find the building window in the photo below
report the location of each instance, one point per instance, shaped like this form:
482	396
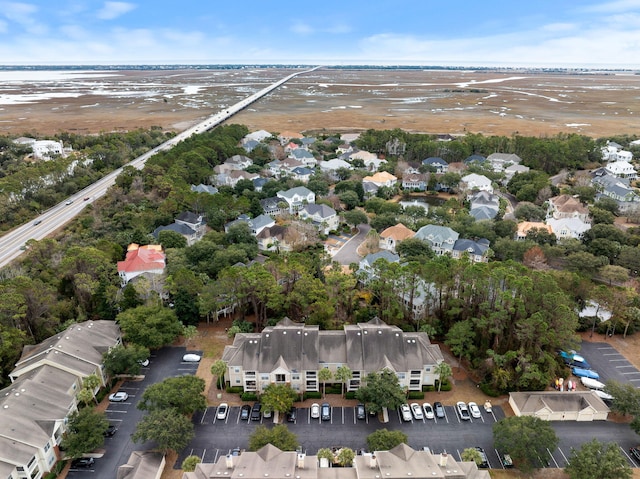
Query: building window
281	378
295	377
236	370
264	377
427	369
46	447
415	373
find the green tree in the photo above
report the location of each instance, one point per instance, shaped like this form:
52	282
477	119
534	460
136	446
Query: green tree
190	462
525	438
188	333
355	217
461	340
413	249
346	457
218	369
171	239
170	429
471	454
279	436
150	326
595	460
278	397
382	390
326	453
343	375
124	360
85	432
443	370
183	394
383	439
324	375
626	398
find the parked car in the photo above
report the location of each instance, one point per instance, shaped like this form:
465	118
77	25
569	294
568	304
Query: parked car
191	358
267	413
416	410
585	373
245	412
484	462
474	410
507	462
144	363
315	410
361	412
405	412
110	431
120	396
463	411
223	410
635	452
83	462
487	406
428	410
326	412
439	408
255	411
292	414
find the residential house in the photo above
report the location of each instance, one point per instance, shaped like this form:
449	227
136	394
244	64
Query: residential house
484	205
437	163
307	141
415	181
614	152
439	238
35	407
202	188
302	174
394	235
257	224
567	206
258	183
622	169
477	251
147	259
273	239
331	167
189	234
43	149
293	353
512	170
401	461
259	135
304	156
475	159
286	136
297	197
500	161
239	162
235	176
249	145
381	178
618	189
274	206
142	465
526	226
565	228
457	167
190	225
473	183
366	269
324	217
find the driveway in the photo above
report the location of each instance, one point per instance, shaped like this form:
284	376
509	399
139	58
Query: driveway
348	253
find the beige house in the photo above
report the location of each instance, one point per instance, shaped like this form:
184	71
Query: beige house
293	353
400	462
567	206
526	226
559	405
394	235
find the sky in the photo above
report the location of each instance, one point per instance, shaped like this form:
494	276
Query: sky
511	33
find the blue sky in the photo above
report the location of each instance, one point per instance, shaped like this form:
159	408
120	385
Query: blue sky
565	33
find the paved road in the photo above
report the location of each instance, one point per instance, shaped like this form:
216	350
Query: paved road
12	243
349	252
166	362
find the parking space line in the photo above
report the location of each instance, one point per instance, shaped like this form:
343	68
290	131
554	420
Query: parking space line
632	372
611	354
116	410
499	460
553	458
565	457
626	366
606	347
633	464
204	451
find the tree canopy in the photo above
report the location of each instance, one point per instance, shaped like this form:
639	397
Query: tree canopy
525	438
383	439
183	394
279	436
595	460
382	390
169	428
85	432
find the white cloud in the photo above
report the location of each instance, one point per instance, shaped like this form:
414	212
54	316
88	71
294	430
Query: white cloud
612	7
111	10
23	14
302	29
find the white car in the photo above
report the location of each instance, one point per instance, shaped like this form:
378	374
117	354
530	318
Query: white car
144	363
120	396
417	411
428	410
191	358
405	411
223	410
463	411
315	410
474	410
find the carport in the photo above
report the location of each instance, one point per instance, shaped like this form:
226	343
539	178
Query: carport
559	406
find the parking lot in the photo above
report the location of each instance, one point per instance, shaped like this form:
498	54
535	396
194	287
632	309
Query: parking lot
610	364
125	415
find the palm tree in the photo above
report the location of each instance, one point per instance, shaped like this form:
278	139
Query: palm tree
443	370
218	369
343	374
324	375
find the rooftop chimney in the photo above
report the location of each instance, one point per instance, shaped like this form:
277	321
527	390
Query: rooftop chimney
443	459
300	461
229	461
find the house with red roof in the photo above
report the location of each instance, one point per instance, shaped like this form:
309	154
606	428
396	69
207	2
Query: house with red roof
141	260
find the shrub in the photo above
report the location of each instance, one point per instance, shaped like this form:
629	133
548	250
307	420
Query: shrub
350	395
235	389
488	390
249	396
415	395
312	395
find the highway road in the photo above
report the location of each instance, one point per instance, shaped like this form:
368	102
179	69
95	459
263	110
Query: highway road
13	242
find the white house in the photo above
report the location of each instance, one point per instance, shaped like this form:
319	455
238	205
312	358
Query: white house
622	169
324	217
297	197
568	227
473	183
